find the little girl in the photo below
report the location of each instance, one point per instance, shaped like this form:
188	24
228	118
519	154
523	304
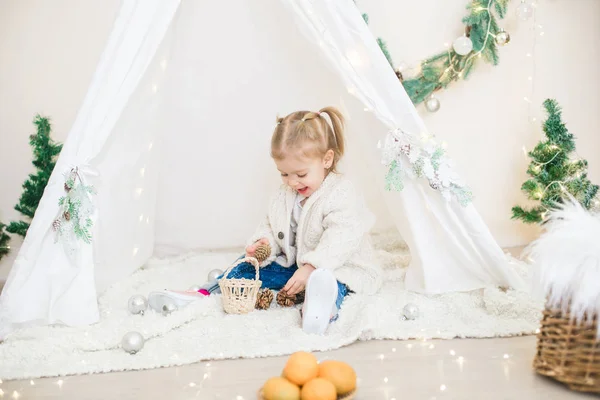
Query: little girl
315	226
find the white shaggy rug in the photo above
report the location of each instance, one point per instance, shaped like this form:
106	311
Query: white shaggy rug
202	331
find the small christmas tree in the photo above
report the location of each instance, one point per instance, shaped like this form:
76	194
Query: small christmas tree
45	152
554	174
4	238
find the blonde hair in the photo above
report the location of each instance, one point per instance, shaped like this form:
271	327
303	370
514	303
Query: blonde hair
311	132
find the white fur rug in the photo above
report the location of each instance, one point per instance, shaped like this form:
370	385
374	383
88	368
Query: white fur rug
202	331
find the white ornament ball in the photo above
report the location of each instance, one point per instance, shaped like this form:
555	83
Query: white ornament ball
132	342
463	45
432	104
410	311
214	274
502	38
137	304
194	288
525	10
168	308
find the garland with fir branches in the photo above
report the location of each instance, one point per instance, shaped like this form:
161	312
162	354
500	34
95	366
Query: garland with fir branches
443	68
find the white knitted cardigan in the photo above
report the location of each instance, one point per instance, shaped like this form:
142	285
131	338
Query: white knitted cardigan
333	233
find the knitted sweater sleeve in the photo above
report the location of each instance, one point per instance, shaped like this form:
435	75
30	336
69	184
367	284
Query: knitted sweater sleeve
343	231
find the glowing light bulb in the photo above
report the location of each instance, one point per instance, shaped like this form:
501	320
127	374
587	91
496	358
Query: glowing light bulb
32	383
452	353
135	251
385	380
381	356
60	383
506	356
192	384
394	350
443	387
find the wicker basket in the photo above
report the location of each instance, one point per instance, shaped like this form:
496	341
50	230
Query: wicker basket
239	295
568	352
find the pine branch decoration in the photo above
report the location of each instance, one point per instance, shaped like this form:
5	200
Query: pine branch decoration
440	70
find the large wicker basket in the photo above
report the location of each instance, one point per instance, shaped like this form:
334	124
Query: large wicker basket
569	352
239	295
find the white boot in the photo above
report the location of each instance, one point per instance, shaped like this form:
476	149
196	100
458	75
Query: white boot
319	302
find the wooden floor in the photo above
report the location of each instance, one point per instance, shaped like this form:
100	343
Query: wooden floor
477	369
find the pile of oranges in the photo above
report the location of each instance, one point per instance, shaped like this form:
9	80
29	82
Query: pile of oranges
304	378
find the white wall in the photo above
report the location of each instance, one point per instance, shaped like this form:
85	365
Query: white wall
49	51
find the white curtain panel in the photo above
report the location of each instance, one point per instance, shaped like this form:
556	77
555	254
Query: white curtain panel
46	284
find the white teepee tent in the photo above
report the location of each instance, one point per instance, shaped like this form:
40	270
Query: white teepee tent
173	137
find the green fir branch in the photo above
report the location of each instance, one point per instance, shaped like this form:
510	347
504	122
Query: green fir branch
4	239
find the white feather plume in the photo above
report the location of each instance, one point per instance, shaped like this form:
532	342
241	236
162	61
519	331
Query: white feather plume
567	262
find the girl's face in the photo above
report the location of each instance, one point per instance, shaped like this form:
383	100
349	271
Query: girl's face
304	174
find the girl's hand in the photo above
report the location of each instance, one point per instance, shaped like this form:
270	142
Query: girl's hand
250	250
297	282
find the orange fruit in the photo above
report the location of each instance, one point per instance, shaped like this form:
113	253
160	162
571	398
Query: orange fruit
280	389
300	368
318	389
340	374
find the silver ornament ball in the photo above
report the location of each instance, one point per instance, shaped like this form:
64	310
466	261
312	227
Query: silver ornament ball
168	308
214	274
525	10
194	288
432	104
410	311
132	342
462	45
137	304
502	38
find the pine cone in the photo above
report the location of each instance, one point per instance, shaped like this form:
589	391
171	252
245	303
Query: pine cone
67	215
287	300
262	252
56	224
67	188
264	299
